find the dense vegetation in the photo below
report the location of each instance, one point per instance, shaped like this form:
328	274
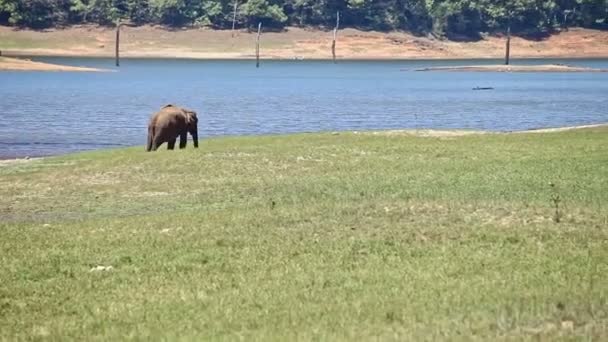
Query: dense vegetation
443	17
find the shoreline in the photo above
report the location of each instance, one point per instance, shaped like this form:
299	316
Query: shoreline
422	132
512	68
22	64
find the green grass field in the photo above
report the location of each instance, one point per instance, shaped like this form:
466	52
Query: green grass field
311	237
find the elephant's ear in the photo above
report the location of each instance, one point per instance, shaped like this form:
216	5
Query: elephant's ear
191	117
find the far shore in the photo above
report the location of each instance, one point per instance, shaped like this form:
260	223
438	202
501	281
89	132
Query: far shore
430	133
291	44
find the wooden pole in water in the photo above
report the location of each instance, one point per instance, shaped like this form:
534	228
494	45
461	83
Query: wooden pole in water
333	43
236	3
508	47
118	42
257	46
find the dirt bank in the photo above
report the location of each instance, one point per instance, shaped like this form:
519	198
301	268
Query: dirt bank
17	64
293	43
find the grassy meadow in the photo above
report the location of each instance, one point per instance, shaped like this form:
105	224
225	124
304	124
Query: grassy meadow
311	237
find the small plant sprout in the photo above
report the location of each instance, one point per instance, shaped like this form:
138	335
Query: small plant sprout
555	199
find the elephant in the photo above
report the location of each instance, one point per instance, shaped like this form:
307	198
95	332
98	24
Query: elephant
168	124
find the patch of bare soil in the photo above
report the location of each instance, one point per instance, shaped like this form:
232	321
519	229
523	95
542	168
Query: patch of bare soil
16	64
6	162
425	133
292	43
460	133
562	129
515	68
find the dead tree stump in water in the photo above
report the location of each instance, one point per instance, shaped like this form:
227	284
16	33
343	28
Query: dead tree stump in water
236	3
117	49
120	24
333	43
508	46
257	46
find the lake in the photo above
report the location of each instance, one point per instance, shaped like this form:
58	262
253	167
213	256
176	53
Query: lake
47	113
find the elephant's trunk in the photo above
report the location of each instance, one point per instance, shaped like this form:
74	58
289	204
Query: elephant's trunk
194	133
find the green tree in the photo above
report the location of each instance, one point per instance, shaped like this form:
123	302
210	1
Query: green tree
262	11
9	13
307	12
102	12
217	13
170	12
78	11
139	11
35	13
451	18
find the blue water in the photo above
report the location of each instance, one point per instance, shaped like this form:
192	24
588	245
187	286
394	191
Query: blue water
45	113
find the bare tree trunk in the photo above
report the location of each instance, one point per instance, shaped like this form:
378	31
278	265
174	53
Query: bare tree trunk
257	46
508	47
236	3
566	13
118	43
333	43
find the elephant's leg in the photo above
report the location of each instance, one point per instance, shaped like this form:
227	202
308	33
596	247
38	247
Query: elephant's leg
171	144
183	139
157	141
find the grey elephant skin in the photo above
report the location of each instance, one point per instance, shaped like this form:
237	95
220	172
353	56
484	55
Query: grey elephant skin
170	122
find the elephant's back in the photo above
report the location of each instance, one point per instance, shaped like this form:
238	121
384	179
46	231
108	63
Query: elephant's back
165	116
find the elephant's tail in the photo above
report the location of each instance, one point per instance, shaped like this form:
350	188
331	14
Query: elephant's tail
150	138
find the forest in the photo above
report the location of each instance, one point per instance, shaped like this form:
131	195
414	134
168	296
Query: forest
443	18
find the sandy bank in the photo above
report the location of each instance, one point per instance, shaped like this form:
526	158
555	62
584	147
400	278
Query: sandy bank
16	64
293	43
559	129
463	132
515	68
4	162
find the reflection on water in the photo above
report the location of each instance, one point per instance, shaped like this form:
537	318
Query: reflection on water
50	113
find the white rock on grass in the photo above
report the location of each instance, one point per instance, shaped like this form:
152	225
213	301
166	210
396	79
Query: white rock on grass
101	268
